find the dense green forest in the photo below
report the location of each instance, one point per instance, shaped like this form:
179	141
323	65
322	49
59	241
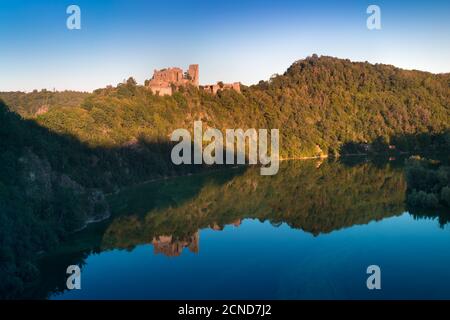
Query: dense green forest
428	183
38	204
52	185
319	105
60	153
322	106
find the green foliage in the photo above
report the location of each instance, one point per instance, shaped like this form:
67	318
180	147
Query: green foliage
28	104
422	199
428	183
319	104
445	196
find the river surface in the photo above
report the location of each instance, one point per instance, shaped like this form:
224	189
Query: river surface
309	232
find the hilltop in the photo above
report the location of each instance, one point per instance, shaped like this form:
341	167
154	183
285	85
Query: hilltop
320	105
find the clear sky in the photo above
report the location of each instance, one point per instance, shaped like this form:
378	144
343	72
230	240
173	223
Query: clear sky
232	40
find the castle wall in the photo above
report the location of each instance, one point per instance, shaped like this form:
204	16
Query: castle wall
213	88
163	81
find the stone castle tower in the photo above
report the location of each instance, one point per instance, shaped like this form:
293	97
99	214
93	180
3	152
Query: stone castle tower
194	74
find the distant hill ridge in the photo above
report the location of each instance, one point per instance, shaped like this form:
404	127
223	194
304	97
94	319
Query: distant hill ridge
39	102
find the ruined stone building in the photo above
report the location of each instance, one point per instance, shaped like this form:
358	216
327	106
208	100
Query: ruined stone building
165	81
213	88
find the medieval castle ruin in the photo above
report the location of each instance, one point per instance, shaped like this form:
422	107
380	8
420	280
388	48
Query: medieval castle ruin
166	81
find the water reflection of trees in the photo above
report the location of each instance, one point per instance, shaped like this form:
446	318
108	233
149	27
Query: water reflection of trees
308	195
314	196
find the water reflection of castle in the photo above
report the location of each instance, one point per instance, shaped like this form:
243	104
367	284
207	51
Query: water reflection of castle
171	247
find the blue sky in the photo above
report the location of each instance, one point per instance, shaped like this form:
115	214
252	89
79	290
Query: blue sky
233	40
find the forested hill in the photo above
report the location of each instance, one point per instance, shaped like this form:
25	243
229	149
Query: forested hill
38	102
330	101
320	105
